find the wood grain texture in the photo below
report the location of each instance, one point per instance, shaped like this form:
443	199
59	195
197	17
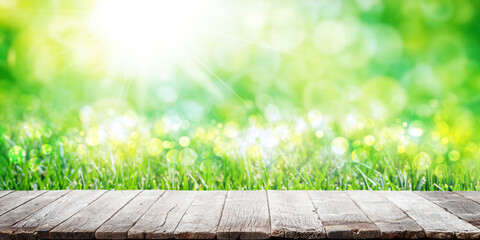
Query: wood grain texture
40	223
83	224
463	208
237	214
245	216
436	222
340	216
391	220
117	227
160	221
293	215
472	195
8	219
16	199
202	217
4	193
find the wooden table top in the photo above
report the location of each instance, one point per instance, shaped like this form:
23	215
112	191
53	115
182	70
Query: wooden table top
159	214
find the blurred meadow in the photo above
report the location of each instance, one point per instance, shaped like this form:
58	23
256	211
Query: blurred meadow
204	95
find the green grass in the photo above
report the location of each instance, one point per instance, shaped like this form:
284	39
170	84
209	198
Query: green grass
218	156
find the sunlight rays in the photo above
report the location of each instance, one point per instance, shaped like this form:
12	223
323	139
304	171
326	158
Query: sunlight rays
74	62
147	45
127	78
60	53
259	44
224	84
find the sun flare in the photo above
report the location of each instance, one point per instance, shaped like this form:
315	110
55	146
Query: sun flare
147	31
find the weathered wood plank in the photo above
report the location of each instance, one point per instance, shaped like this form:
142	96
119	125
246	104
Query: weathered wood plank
160	221
16	199
8	219
202	217
39	224
238	214
463	208
117	227
3	193
472	195
391	220
340	216
436	222
293	215
83	224
245	216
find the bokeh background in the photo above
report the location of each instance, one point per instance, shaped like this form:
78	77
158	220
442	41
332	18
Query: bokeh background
362	94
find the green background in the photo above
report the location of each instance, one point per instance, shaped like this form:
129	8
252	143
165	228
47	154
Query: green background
244	95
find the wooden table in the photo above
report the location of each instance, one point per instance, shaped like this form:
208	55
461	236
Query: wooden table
159	214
